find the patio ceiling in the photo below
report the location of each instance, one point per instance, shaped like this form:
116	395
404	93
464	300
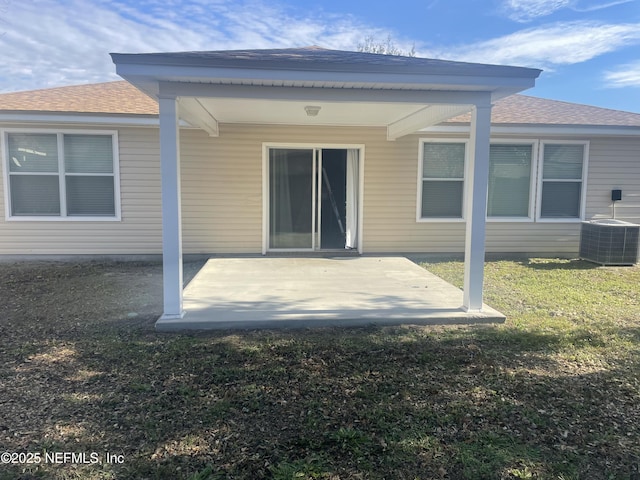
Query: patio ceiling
402	94
399	118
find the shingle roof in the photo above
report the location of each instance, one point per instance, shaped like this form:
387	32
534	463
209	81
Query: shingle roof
111	98
527	110
322	59
122	98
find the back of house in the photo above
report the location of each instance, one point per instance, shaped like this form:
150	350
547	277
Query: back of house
82	174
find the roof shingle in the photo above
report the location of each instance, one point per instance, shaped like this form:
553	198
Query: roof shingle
526	110
111	98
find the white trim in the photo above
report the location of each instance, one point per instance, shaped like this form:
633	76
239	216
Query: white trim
63	217
145	68
265	198
583	181
316	207
191	110
419	217
361	173
543	130
266	146
532	179
79	119
429	115
330	91
62	180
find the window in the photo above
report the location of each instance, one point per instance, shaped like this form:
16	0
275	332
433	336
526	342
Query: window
562	180
62	175
510	167
442	183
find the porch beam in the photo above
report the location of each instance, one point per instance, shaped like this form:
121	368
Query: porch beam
171	208
476	207
320	94
197	115
426	117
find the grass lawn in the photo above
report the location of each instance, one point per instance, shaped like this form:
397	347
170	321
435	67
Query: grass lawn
554	393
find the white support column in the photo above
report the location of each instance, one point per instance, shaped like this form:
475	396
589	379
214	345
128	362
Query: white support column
476	207
171	208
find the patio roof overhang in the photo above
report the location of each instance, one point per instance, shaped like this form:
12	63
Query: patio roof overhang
403	94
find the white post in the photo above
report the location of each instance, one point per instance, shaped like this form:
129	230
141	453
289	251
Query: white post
171	208
476	207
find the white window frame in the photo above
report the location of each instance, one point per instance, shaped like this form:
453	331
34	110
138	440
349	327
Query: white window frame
419	217
533	181
63	217
583	180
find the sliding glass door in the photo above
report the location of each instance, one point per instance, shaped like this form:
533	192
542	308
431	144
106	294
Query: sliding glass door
313	198
291	194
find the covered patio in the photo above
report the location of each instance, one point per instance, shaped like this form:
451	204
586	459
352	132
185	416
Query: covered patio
299	292
319	88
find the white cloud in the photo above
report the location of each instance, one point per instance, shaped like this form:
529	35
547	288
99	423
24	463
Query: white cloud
544	47
599	6
48	43
526	10
624	76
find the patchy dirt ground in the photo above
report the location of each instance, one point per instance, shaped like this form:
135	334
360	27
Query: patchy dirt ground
71	298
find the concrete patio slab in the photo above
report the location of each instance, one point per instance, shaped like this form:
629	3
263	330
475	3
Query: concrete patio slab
275	292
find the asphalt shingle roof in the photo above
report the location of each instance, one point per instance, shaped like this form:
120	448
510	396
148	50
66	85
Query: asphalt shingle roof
124	99
111	98
526	110
322	59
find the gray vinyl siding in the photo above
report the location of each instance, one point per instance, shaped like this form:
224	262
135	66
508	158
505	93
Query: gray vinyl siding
222	197
614	164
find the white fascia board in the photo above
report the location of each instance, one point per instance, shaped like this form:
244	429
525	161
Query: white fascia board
77	119
346	95
544	130
83	120
387	80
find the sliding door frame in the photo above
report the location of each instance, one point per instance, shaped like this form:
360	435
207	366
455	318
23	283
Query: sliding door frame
316	147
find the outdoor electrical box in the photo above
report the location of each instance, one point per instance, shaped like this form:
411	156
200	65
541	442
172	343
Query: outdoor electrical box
616	195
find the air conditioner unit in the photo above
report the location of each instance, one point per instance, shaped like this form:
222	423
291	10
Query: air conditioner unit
609	242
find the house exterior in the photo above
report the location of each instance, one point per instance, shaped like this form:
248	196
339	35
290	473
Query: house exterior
253	152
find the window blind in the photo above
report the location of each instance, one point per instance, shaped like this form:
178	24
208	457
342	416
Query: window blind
509	180
562	181
39	180
29	152
563	161
442	180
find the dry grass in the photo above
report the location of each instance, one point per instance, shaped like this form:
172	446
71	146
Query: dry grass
551	394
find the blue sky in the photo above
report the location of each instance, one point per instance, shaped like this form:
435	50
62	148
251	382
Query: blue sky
589	49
